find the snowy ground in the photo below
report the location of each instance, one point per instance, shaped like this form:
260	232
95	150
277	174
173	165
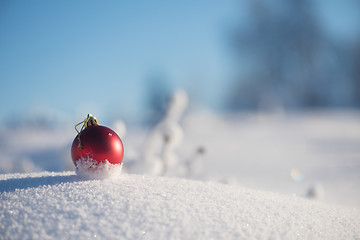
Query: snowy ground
261	176
63	206
309	154
288	153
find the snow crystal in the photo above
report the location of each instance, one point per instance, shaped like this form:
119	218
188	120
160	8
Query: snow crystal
89	168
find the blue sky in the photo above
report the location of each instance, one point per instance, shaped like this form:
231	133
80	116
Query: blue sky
86	56
96	56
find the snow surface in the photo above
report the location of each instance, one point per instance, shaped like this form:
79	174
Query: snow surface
312	153
88	168
63	206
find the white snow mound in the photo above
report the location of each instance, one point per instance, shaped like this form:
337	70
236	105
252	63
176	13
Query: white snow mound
64	206
89	168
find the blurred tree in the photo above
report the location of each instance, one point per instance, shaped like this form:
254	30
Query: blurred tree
157	93
285	59
357	75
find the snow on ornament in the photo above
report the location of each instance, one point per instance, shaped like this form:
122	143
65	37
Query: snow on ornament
96	150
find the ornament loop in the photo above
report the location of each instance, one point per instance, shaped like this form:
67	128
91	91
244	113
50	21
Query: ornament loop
89	121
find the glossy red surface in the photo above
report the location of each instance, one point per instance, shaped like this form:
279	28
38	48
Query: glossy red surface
99	143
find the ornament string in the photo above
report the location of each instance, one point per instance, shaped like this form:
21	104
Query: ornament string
90	120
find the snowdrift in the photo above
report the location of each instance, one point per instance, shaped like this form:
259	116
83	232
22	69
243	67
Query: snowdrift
63	206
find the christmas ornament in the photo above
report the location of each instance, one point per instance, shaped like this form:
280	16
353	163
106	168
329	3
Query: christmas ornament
97	143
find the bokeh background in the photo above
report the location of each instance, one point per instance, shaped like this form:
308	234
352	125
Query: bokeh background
122	58
266	93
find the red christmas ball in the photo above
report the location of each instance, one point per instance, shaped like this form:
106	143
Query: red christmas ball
98	143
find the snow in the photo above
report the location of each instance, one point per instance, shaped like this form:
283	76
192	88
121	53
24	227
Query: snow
159	156
88	168
289	153
62	205
311	153
259	175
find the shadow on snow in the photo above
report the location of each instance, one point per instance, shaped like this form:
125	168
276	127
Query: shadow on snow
11	185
